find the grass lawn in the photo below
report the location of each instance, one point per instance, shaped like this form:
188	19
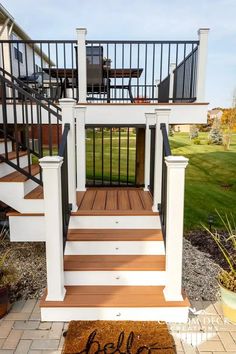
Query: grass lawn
210	178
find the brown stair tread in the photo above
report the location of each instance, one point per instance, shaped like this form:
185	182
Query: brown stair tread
18	176
114	263
36	193
114	235
13	155
114	296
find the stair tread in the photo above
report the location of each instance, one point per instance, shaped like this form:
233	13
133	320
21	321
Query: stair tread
114	235
114	296
18	176
13	155
114	263
36	193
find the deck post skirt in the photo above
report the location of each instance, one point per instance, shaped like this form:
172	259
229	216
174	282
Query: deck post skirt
51	166
202	63
174	226
68	116
162	116
82	66
81	148
171	87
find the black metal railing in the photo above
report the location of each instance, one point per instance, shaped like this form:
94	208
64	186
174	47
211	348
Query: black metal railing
111	155
166	151
118	71
66	207
128	71
30	123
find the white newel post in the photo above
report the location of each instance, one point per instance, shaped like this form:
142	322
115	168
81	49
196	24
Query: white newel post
68	116
174	226
171	87
81	148
82	65
202	63
162	116
51	166
157	89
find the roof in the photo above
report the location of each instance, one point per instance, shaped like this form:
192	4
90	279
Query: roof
4	15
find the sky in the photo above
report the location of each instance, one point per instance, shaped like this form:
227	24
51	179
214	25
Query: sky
142	19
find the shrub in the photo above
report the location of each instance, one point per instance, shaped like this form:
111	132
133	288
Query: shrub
193	132
215	135
197	141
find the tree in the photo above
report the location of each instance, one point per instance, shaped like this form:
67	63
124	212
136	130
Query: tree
228	123
193	132
215	135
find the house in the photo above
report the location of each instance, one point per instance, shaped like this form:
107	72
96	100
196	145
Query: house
215	113
103	191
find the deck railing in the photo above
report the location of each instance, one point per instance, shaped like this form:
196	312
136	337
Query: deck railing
117	71
23	123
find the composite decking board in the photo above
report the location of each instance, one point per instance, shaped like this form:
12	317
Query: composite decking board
19	177
114	263
135	201
100	200
114	296
123	202
114	201
88	200
111	202
114	235
13	155
36	193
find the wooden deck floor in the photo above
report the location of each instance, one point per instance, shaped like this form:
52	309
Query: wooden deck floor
114	201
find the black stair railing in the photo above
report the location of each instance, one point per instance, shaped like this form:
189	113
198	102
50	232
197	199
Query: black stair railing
30	123
66	207
166	151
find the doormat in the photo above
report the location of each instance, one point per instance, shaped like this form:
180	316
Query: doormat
125	337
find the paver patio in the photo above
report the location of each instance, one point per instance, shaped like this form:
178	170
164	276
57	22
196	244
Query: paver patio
22	332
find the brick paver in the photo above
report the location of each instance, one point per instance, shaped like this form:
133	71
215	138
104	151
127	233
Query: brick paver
206	333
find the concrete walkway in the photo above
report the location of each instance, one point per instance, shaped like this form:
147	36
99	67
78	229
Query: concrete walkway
22	332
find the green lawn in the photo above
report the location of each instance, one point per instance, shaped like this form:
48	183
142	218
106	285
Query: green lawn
209	172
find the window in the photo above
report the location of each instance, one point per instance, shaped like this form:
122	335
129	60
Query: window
18	55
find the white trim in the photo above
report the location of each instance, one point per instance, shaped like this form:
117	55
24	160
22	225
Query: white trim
109	278
115	248
66	314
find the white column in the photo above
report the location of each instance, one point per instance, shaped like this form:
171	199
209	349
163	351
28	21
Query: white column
171	87
68	116
174	226
51	166
162	116
202	63
81	148
82	65
147	151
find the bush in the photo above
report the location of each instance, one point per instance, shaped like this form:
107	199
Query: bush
197	141
193	132
215	135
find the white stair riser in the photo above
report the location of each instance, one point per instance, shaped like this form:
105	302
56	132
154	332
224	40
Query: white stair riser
5	169
115	222
2	147
27	228
110	278
66	314
115	248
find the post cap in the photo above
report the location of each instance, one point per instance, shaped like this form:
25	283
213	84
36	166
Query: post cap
203	31
81	30
51	161
67	101
176	161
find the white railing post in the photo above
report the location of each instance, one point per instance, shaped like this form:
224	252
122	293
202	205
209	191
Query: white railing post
147	151
174	226
157	89
81	148
82	65
171	87
51	166
162	116
202	63
68	116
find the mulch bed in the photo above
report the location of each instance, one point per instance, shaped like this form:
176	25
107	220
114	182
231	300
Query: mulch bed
118	337
204	242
